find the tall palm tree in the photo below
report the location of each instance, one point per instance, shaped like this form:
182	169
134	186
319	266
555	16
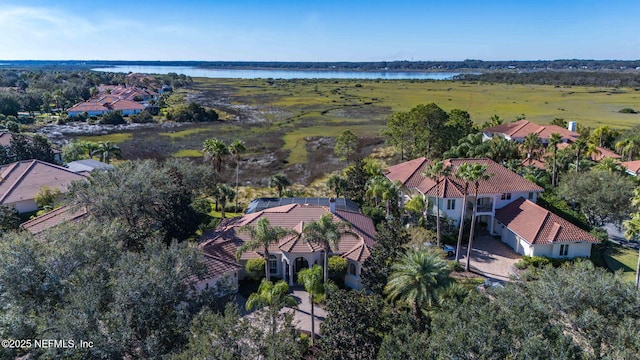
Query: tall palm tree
215	150
476	173
280	182
236	148
579	146
632	228
415	279
532	145
463	174
311	279
274	297
106	150
223	195
262	236
628	147
437	171
337	184
326	232
554	140
381	189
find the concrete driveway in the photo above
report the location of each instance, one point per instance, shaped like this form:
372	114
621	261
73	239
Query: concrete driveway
491	257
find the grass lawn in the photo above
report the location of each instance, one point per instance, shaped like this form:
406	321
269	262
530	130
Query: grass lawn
116	138
619	258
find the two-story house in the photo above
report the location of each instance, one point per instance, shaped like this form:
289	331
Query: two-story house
503	188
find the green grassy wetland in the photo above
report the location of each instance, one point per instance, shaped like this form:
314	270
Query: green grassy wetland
283	121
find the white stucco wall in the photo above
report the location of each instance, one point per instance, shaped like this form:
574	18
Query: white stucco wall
228	283
353	281
25	206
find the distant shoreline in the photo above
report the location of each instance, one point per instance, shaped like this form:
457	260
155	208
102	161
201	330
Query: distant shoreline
374	66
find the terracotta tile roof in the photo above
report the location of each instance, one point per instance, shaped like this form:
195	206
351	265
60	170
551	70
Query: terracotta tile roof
54	218
537	225
124	104
224	241
88	106
522	128
502	180
22	180
604	153
632	166
535	163
5	138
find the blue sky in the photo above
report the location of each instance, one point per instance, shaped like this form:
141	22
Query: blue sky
319	30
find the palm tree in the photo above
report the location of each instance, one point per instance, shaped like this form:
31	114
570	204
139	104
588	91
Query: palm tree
628	147
476	173
610	164
224	194
381	189
579	146
236	148
463	174
437	171
326	232
337	184
415	279
280	182
215	150
632	229
311	279
532	146
554	140
262	236
105	150
274	297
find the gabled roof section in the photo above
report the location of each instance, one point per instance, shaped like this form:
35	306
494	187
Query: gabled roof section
224	241
537	225
502	180
632	166
54	218
522	128
22	180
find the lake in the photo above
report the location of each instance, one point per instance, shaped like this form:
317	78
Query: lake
276	74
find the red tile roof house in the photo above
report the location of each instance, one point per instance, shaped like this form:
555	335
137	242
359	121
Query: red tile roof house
503	188
105	104
54	218
21	181
632	167
518	130
291	254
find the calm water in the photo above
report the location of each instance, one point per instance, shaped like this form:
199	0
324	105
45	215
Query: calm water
276	74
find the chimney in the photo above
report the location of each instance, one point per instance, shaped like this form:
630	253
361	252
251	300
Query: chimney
571	126
332	205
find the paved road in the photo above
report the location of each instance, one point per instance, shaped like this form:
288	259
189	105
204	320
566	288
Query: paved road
491	257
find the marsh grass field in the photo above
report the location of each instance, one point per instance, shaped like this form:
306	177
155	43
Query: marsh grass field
278	118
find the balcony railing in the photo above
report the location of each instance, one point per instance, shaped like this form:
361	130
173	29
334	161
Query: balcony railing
485	207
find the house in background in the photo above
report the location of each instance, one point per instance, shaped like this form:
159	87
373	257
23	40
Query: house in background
291	254
88	165
5	141
517	131
260	204
54	218
21	181
506	205
632	167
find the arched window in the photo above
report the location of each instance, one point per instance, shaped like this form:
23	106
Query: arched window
352	269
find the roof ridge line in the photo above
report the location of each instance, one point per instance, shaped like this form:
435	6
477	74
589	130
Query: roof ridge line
20	177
